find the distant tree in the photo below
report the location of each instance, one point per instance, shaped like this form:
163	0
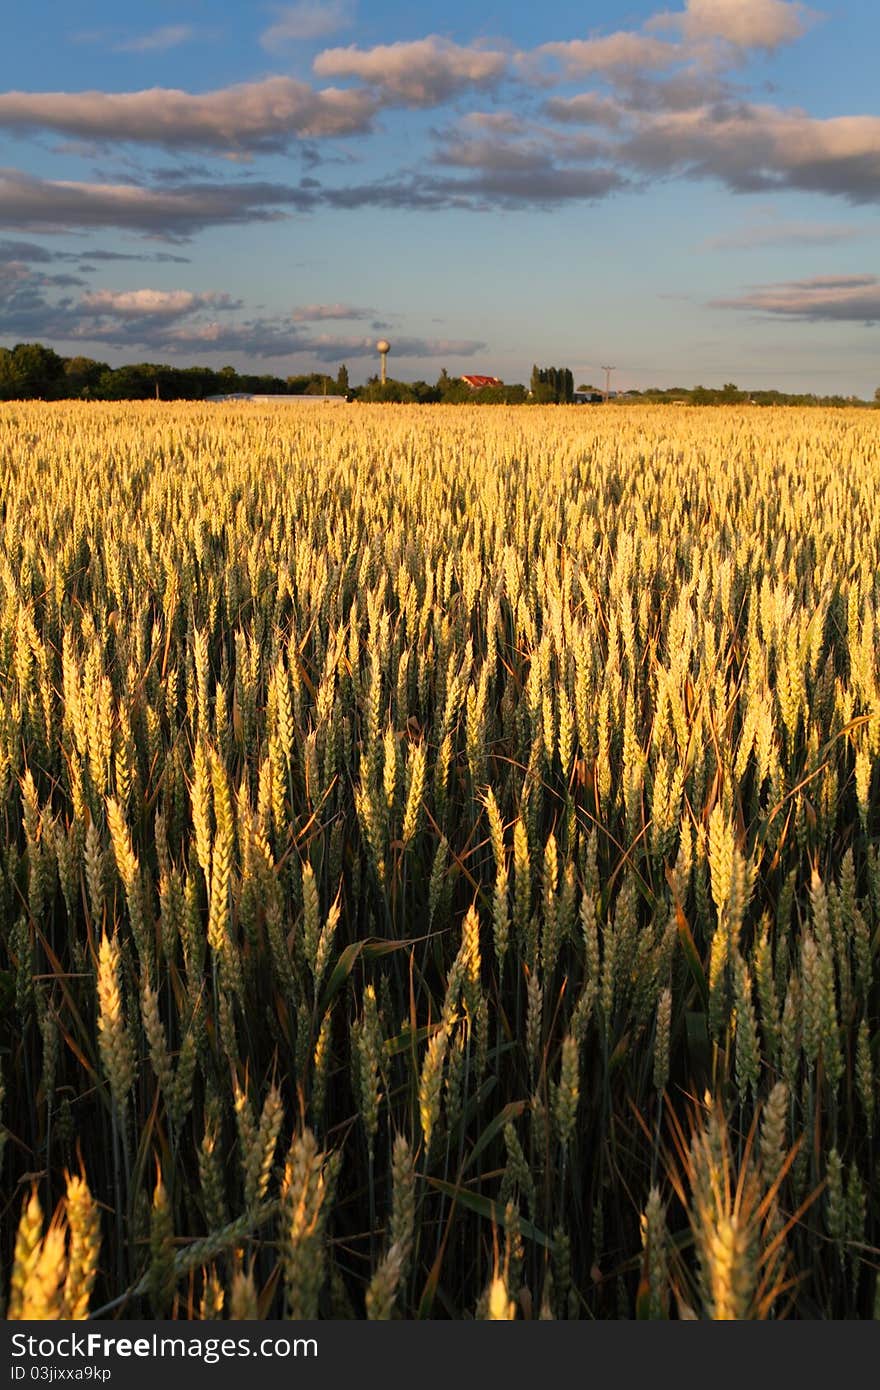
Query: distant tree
7	375
82	374
342	381
552	384
424	393
131	383
452	389
877	395
389	390
31	369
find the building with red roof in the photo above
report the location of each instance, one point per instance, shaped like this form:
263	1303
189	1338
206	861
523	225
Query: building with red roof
477	383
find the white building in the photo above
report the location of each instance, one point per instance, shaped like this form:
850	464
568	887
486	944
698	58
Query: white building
274	400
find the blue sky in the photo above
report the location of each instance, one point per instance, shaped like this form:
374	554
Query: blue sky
689	192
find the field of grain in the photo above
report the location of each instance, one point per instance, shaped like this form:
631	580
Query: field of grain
439	864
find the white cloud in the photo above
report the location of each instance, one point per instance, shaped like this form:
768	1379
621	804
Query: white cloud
746	24
249	116
651	107
709	35
611	52
157	304
157	40
422	73
310	19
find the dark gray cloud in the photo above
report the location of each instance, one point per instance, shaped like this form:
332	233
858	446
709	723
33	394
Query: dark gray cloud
27	311
506	161
532	184
29	251
752	148
34	254
159	257
513	163
587	108
498	177
34	204
44	206
265	338
684	91
319	313
658	101
30	306
823	298
481	144
540	187
173	323
182	171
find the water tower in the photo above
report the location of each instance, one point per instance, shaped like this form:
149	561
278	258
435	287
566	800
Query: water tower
383	348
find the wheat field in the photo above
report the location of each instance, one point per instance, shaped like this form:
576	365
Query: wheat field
439	865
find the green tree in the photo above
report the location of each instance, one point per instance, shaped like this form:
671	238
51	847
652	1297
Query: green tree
81	375
7	375
424	393
552	384
31	369
342	387
390	390
131	383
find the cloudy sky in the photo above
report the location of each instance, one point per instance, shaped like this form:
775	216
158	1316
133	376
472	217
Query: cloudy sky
691	193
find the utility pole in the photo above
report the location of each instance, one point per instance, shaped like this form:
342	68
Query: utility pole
608	371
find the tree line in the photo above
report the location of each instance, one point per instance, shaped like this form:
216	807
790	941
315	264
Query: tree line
34	371
731	394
